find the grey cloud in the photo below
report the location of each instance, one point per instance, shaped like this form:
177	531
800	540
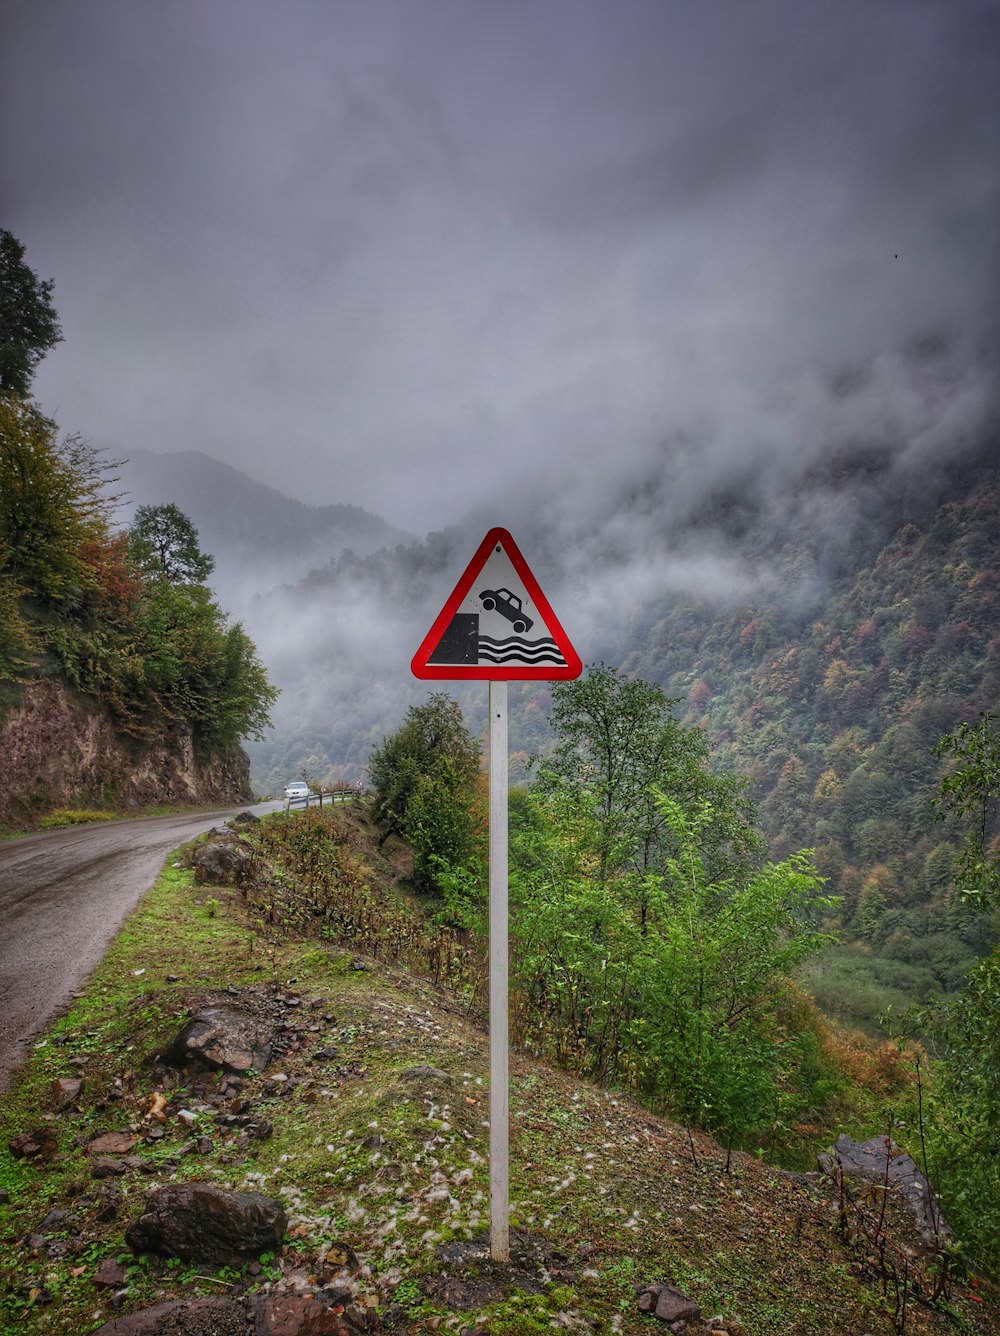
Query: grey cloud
441	258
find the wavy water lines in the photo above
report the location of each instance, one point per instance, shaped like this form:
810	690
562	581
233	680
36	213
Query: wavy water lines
515	650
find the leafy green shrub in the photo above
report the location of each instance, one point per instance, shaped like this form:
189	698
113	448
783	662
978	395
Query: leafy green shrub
426	781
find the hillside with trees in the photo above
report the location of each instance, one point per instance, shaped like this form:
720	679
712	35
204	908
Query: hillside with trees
834	707
656	947
869	632
122	680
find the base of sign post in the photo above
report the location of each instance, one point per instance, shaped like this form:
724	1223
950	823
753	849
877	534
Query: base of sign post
499	1040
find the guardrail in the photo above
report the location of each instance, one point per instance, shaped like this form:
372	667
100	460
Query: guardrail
323	795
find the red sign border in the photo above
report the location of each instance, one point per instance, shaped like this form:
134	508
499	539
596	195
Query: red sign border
496	672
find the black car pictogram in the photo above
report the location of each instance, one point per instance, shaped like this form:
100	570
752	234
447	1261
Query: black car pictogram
508	605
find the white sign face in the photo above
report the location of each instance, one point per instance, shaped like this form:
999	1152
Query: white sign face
497	623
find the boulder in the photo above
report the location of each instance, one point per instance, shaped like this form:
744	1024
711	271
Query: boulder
199	1222
880	1160
220	863
223	1036
110	1275
288	1315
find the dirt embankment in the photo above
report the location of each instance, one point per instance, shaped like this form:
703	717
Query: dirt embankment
59	752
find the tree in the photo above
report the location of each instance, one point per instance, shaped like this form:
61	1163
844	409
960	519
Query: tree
164	543
425	779
28	323
52	504
16	634
964	1125
651	943
618	737
675	991
198	668
719	959
964	1131
971	791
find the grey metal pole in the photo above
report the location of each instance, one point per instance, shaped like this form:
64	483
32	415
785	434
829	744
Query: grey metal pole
499	1037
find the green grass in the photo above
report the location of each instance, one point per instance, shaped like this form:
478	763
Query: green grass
74	817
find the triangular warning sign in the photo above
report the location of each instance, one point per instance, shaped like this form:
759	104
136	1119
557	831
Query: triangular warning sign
497	624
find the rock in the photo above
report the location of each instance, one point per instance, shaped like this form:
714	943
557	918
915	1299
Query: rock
112	1143
223	1036
41	1144
110	1275
66	1089
669	1305
199	1222
261	1316
181	1317
341	1255
880	1160
244	819
4	1197
425	1073
297	1316
106	1166
220	863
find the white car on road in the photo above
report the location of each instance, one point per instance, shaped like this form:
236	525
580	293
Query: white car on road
297	791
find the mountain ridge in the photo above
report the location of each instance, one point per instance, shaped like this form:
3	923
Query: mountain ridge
239	519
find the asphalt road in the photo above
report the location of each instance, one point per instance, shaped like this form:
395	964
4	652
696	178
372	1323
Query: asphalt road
63	896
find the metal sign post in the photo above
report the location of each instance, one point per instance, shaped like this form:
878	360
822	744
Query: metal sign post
497	626
499	1082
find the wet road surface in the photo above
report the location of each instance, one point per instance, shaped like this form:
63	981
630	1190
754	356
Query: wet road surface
63	896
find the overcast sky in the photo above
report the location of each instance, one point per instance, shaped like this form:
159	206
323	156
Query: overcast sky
439	255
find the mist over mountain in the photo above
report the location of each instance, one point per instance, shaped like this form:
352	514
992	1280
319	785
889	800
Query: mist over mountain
258	536
827	471
821	595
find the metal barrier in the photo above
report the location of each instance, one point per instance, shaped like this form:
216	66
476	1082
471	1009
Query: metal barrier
332	796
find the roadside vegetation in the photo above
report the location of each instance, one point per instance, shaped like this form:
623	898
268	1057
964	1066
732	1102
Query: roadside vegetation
655	948
370	1126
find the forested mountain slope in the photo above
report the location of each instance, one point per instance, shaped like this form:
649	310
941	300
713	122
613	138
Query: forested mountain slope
833	704
868	628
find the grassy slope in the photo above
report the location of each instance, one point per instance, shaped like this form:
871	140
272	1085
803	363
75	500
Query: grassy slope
394	1167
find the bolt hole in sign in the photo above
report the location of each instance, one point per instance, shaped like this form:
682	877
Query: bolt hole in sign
497	624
